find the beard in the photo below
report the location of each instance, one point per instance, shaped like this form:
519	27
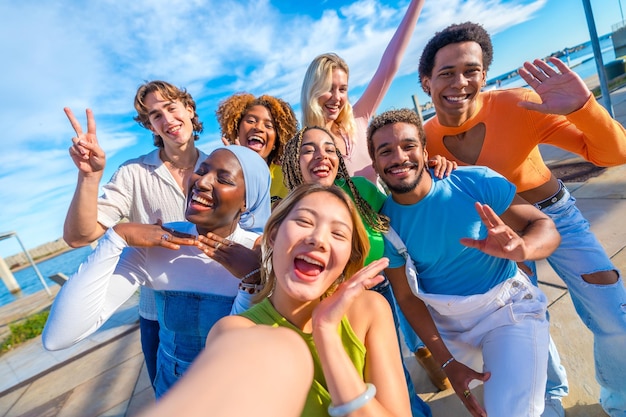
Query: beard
404	188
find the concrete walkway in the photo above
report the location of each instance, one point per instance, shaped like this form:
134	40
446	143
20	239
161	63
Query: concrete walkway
104	375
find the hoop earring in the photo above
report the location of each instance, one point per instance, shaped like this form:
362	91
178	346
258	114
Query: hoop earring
246	219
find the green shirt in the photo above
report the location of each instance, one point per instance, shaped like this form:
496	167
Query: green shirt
376	199
318	399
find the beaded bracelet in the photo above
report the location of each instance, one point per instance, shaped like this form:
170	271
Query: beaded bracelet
446	363
350	406
249	274
250	288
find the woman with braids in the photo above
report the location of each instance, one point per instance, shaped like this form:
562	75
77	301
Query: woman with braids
263	124
311	157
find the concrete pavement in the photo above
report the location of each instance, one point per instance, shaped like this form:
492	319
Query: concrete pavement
104	375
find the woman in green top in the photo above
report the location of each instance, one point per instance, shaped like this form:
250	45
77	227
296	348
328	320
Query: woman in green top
316	287
311	157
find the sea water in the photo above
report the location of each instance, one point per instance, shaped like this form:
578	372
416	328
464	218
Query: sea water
582	62
67	263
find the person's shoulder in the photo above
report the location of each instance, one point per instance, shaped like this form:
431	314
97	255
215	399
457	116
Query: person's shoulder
369	303
472	174
151	158
227	324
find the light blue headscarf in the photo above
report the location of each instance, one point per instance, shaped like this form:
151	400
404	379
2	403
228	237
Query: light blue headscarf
256	176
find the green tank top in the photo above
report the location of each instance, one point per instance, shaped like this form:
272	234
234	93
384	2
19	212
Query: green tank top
318	399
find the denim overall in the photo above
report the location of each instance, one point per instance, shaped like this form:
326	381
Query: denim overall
185	319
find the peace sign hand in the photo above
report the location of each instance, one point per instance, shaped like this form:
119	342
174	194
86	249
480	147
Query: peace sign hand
86	153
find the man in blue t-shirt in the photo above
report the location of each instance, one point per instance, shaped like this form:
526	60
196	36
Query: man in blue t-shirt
470	304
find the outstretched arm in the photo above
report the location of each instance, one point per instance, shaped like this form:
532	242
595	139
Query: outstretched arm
421	321
522	232
216	383
81	222
390	63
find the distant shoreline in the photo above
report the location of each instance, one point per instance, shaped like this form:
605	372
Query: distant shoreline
21	266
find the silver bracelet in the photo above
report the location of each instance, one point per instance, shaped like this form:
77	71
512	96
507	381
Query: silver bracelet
446	363
350	406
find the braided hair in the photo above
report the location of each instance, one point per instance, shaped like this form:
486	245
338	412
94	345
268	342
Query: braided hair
292	173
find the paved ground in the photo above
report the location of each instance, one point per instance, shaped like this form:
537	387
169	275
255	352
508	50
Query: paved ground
104	375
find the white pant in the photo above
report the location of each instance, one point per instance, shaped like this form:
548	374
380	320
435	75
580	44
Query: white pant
504	331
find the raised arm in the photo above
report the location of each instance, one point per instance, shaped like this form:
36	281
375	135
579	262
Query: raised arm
421	321
81	222
522	232
390	63
370	318
575	121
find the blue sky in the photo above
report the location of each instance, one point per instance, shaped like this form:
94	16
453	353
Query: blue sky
96	53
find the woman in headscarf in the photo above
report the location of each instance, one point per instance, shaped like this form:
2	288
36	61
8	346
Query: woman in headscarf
226	195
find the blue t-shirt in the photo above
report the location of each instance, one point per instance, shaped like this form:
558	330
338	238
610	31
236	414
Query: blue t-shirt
432	228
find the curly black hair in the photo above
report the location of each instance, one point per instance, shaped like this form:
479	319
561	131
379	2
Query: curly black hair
456	33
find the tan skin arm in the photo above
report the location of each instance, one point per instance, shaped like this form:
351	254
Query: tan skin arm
370	318
81	225
421	321
215	383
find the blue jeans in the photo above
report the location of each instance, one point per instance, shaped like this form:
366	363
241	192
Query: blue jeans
185	319
149	331
419	408
602	308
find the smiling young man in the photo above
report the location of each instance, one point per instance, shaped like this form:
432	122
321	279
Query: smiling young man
146	189
502	129
471	305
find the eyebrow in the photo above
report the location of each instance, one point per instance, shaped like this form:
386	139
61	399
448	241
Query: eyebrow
404	140
328	142
166	104
466	65
314	213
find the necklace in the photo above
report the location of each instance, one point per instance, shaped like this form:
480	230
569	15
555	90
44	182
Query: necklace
169	161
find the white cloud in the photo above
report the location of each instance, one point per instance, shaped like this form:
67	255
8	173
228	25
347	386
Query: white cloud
96	53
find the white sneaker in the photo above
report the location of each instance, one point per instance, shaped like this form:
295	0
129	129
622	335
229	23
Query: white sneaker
553	408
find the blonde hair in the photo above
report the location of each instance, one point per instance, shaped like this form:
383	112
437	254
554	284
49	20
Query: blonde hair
360	241
292	177
317	81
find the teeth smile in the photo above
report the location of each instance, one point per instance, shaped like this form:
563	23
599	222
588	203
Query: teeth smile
310	260
195	197
399	170
456	98
321	168
256	138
